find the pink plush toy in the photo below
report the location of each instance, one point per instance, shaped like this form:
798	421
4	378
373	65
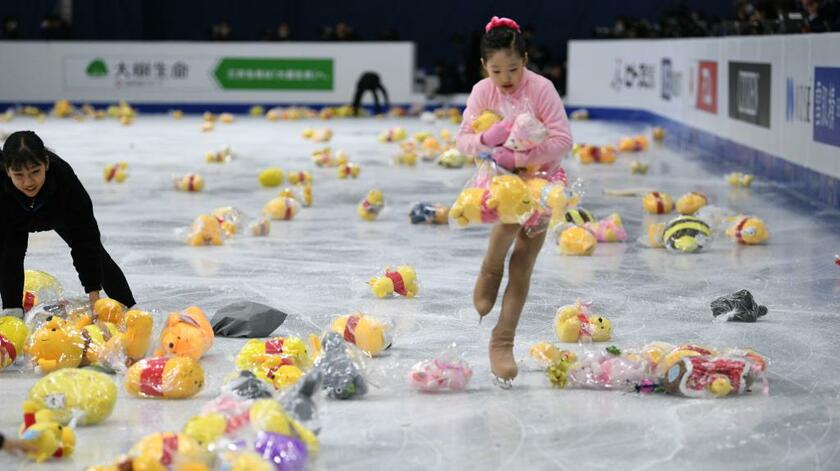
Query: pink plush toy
526	133
446	372
608	229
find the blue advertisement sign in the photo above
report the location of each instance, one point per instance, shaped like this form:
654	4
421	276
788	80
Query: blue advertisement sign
827	105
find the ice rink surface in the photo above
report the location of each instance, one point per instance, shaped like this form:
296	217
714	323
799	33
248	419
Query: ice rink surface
315	268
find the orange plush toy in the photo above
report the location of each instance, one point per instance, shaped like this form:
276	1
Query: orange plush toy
186	334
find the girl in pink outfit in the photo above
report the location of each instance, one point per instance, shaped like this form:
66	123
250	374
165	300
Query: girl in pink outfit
508	84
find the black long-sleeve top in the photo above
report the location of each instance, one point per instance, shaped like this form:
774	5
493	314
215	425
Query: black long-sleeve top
62	204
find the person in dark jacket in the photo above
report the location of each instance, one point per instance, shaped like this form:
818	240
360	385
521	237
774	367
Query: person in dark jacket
40	192
369	82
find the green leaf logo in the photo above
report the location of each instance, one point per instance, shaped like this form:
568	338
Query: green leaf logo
97	68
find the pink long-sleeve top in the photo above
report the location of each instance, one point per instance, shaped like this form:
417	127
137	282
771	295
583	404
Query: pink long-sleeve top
546	105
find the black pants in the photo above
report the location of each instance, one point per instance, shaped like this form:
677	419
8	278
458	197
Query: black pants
369	82
11	276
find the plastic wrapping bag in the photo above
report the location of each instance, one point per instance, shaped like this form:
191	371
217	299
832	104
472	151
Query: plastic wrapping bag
577	323
747	230
85	395
685	370
372	204
301	177
325	158
299	400
341	377
40	287
62	343
349	170
282	208
115	173
279	361
609	229
49	438
186	333
247	319
739	306
190	182
396	134
165	378
168	451
205	230
222	156
445	372
302	194
691	202
13	335
429	213
574	240
370	334
452	158
400	280
526	133
686	234
490	197
588	154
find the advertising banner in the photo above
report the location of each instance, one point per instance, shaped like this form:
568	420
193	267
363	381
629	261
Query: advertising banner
749	92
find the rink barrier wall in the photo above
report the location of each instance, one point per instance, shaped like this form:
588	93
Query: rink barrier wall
732	156
177	72
769	104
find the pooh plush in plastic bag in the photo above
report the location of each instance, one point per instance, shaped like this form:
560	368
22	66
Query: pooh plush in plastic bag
86	395
13	335
50	438
511	199
575	323
401	280
205	230
370	207
748	230
59	344
468	208
165	377
365	332
186	333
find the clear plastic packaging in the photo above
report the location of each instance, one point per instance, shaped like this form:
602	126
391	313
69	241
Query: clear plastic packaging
372	204
429	213
396	134
222	156
165	378
490	197
299	402
452	158
186	333
691	202
349	170
446	372
205	230
73	342
167	451
609	229
301	177
577	323
84	395
686	234
13	335
371	335
40	287
191	182
400	280
115	173
341	377
747	230
51	439
575	240
526	133
282	208
685	370
279	361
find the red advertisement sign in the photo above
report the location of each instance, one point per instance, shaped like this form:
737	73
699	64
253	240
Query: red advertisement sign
707	87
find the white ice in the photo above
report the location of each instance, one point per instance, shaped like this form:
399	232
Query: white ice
315	267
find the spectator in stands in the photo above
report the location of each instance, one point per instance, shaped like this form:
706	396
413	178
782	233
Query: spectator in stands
450	83
53	27
343	32
10	28
818	15
557	74
388	34
221	31
326	33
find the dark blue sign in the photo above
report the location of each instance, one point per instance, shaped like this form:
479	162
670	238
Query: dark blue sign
827	105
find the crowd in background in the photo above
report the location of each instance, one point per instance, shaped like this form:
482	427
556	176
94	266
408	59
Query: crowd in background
750	17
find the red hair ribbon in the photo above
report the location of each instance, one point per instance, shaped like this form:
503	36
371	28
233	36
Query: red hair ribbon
497	22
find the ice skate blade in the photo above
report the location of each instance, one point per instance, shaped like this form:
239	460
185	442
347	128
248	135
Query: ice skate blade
503	383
